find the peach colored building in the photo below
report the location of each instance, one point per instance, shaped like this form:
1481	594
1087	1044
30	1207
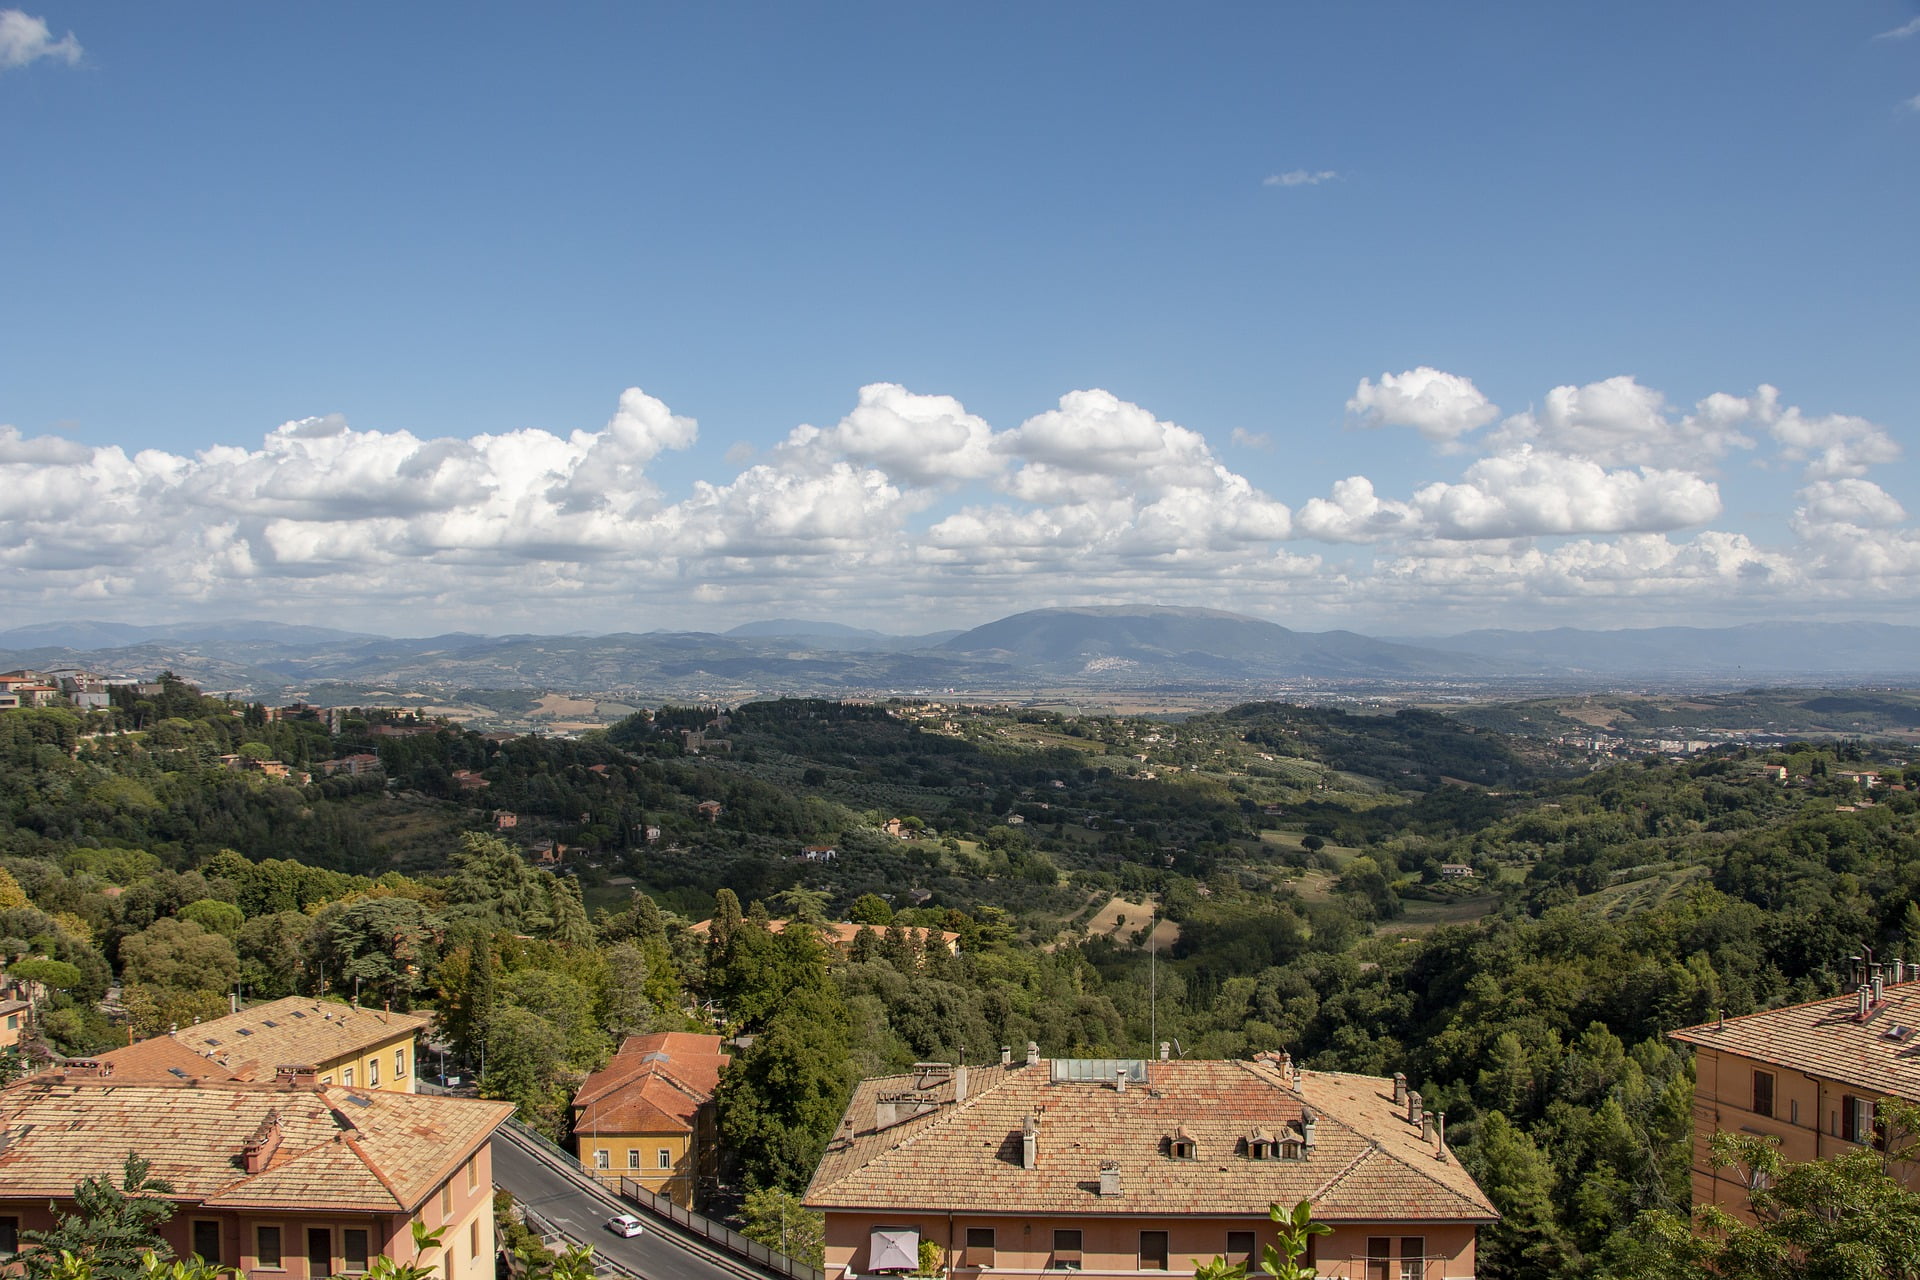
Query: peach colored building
287	1178
648	1114
1123	1167
1809	1075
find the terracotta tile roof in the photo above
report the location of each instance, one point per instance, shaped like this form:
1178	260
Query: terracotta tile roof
159	1061
339	1149
842	934
1367	1163
1826	1039
654	1084
297	1030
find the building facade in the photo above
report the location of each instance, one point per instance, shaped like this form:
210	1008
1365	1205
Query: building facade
286	1178
1809	1075
648	1115
1134	1168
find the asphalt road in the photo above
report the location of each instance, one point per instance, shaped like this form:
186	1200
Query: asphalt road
581	1211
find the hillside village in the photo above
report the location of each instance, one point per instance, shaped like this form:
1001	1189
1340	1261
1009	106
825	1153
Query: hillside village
938	988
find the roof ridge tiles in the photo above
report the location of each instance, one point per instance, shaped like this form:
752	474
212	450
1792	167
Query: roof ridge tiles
1340	1175
373	1167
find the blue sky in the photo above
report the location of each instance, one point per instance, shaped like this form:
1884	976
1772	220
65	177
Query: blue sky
455	235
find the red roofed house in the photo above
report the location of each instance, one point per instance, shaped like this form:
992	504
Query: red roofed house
1808	1075
285	1176
1128	1167
648	1114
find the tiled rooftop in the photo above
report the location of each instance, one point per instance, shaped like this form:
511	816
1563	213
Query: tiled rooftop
654	1084
161	1060
1825	1038
1368	1162
297	1030
339	1150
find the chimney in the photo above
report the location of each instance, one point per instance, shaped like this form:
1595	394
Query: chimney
886	1113
1109	1179
1415	1108
1426	1127
1863	1005
260	1145
1307	1121
1030	1143
1033	1054
1899	970
1006	1055
1440	1134
1879	987
1166	1048
293	1076
1119	1079
1399	1088
960	1083
86	1069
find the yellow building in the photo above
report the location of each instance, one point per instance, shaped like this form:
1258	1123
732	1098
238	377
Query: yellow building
1809	1076
343	1044
648	1114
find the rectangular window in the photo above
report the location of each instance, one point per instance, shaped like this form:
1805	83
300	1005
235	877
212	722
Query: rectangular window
266	1247
1240	1248
319	1252
979	1247
373	1072
1763	1093
1379	1257
663	1158
9	1234
603	1159
446	1200
399	1064
353	1249
1856	1118
1793	1110
346	1077
1413	1256
1153	1251
13	1022
328	1079
473	1238
206	1239
633	1157
1066	1250
473	1171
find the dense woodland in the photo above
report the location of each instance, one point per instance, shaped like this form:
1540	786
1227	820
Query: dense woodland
1291	858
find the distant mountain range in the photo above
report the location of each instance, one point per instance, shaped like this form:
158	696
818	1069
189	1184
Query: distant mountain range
1142	647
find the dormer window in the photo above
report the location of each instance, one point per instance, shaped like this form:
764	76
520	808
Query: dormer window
1181	1145
1290	1149
1261	1146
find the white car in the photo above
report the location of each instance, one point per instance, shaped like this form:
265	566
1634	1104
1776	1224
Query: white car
624	1224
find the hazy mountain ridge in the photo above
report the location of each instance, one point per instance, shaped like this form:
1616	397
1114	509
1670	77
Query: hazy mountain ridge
1112	647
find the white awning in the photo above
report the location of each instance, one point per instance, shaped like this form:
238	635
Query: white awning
893	1249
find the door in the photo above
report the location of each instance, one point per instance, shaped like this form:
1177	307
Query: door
319	1252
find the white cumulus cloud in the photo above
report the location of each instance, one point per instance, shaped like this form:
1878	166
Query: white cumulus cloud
921	439
1618	421
1440	406
25	39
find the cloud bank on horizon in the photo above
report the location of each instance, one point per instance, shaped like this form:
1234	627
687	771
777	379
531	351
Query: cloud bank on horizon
1597	506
